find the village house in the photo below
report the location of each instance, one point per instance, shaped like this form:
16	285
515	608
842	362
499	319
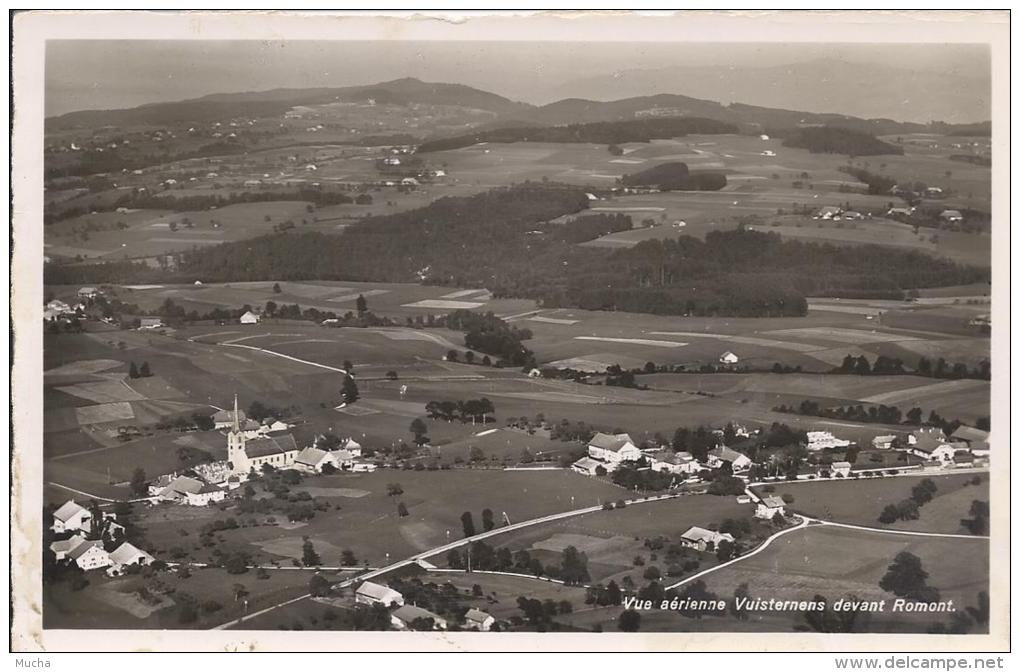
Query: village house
273	425
828	212
312	460
883	442
88	293
768	507
703	540
179	488
126	555
721	455
902	212
676	463
951	216
374	593
822	440
963	458
89	555
404	618
71	517
728	358
476	619
587	466
225	419
205	495
613	449
250	318
930	443
975	440
62	547
840	469
150	323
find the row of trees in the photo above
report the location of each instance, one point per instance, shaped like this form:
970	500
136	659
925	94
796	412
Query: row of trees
908	509
894	366
470	410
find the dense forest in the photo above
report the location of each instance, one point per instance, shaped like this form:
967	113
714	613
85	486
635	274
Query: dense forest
589	227
601	133
836	140
675	176
502	240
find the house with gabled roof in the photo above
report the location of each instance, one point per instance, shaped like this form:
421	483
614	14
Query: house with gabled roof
703	539
976	440
374	593
312	460
62	547
126	555
721	455
205	495
768	507
930	443
613	449
71	517
89	555
476	619
406	617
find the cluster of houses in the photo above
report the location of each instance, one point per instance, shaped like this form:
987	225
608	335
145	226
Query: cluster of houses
250	446
966	447
836	214
406	616
607	452
90	544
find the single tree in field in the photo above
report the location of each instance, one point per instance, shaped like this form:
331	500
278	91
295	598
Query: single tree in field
349	390
402	510
138	484
451	356
741	592
361	304
418	429
318	585
906	577
469	357
308	555
487	522
467	521
145	371
629	621
133	371
276	288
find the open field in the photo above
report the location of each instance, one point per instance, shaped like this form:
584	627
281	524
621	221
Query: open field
114	603
370	526
837	562
859	502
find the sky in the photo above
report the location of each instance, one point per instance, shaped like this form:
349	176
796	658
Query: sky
112	74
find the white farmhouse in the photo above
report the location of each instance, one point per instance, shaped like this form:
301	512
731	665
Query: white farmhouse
768	507
373	593
703	540
312	460
728	358
822	440
613	449
721	455
71	517
250	318
89	555
475	619
126	555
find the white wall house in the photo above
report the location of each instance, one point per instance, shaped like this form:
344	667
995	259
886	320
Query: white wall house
71	517
703	540
821	440
738	462
475	619
767	508
374	593
89	555
250	318
312	460
613	449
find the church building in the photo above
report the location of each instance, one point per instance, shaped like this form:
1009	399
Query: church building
245	454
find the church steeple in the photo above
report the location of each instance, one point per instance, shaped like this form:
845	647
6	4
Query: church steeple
237	424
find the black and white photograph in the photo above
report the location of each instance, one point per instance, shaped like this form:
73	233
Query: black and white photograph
617	331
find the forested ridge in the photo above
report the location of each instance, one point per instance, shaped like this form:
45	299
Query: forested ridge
504	240
599	132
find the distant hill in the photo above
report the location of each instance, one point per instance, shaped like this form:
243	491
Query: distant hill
510	114
828	85
276	101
